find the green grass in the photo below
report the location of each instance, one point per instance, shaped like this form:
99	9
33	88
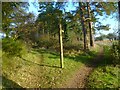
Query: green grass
0	64
41	68
106	75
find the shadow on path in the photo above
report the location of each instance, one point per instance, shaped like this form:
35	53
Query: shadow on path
7	83
79	79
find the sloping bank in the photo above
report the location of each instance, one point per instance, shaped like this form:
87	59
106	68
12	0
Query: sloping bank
41	69
106	75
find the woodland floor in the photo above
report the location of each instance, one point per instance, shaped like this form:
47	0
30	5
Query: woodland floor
79	79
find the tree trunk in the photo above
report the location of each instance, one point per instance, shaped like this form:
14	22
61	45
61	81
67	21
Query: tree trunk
119	22
43	30
83	26
61	46
48	33
90	26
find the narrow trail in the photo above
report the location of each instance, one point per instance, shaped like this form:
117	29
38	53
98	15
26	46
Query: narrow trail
79	79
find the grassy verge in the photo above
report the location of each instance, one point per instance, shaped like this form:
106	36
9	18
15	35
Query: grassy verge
41	68
106	75
0	69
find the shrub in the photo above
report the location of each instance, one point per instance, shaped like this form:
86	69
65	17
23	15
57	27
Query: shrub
115	53
13	47
48	43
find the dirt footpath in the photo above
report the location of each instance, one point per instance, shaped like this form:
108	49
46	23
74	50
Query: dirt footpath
79	79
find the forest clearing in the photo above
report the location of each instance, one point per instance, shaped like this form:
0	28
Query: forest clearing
58	48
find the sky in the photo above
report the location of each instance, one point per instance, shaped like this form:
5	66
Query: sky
113	25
